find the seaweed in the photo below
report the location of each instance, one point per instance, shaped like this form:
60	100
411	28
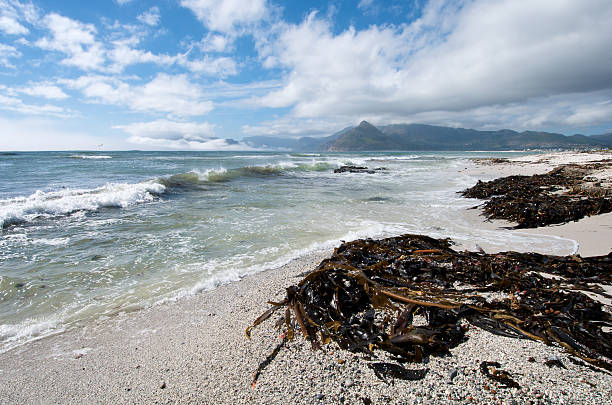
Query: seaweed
384	370
365	297
492	370
562	195
358	169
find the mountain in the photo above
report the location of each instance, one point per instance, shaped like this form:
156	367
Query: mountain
406	137
363	137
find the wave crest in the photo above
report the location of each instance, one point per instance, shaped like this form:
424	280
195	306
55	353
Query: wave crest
195	179
67	201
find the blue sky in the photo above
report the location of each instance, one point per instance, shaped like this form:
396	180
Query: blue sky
187	74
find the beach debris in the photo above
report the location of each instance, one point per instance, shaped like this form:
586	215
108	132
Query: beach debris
267	361
492	370
564	194
554	361
368	295
385	370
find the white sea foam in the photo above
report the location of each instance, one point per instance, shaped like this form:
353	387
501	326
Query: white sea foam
215	279
12	335
67	201
91	157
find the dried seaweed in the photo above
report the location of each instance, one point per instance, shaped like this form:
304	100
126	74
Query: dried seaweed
492	370
366	295
561	195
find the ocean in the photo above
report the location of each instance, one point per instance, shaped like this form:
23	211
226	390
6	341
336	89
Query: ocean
88	235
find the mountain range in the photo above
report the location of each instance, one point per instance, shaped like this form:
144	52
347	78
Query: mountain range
419	137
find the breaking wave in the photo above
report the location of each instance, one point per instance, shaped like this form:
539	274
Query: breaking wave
91	157
197	178
43	204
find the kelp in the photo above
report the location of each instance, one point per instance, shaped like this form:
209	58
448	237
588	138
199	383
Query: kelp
564	194
367	295
492	370
358	169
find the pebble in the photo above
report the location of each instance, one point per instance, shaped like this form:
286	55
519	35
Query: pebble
349	382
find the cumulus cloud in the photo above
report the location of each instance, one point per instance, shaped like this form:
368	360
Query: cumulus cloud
11	26
13	14
123	54
45	90
74	39
178	135
458	57
228	15
150	17
170	94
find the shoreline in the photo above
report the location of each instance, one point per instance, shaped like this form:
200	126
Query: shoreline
194	350
593	234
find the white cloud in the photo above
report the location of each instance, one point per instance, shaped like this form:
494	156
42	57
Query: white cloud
174	95
365	5
227	15
171	130
150	17
8	52
458	57
294	127
11	26
13	13
45	90
123	54
122	2
219	67
74	39
590	114
178	135
216	43
11	103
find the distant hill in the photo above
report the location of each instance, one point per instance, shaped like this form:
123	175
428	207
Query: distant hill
406	137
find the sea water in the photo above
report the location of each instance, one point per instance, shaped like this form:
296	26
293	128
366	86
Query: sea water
89	235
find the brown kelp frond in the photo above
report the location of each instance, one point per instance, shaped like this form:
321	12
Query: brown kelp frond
265	316
564	194
366	295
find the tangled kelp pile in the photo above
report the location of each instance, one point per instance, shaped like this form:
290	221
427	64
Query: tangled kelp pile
561	195
366	295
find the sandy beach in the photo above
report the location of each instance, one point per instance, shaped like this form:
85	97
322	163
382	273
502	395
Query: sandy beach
593	234
195	350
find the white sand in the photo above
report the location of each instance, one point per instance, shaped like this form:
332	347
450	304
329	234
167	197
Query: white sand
593	234
195	351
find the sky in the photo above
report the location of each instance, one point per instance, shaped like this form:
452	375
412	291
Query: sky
193	74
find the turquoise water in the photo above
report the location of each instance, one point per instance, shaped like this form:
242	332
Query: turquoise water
89	235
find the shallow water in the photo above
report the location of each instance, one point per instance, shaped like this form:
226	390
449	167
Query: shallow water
88	235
